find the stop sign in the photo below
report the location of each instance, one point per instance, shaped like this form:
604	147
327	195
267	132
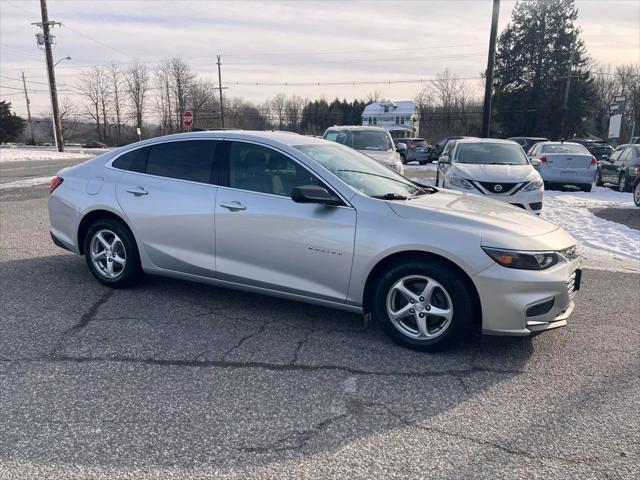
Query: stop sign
187	118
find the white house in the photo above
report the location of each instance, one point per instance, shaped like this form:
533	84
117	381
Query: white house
400	118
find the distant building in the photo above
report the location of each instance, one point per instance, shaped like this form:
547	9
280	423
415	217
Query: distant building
400	118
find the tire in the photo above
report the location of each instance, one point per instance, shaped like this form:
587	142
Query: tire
117	243
636	194
599	182
623	185
586	187
450	293
423	162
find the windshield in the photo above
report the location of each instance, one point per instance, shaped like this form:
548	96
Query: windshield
491	154
568	148
359	171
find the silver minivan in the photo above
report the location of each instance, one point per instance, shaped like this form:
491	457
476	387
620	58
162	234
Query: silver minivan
374	142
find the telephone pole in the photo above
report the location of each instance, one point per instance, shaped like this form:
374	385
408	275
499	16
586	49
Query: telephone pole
565	103
26	96
47	39
220	88
488	87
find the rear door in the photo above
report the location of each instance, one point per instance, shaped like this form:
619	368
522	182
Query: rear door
608	167
170	202
265	239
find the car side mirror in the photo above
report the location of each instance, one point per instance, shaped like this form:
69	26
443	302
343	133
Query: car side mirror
444	159
401	147
535	162
314	194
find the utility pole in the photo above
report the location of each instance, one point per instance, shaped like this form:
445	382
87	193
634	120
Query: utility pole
26	96
565	103
488	87
47	40
220	88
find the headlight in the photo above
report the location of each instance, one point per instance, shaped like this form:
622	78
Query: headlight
534	185
522	260
458	181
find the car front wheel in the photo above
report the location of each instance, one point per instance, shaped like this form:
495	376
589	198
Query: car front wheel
622	184
111	254
424	305
636	194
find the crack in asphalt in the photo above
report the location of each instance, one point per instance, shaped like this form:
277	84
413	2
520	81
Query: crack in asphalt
85	319
242	340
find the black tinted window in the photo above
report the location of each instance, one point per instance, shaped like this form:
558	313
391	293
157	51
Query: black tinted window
188	160
134	161
260	169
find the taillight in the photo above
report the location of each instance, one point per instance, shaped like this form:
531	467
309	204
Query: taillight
55	183
543	159
594	161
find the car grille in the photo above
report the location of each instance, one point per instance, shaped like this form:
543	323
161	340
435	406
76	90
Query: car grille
571	282
498	187
536	205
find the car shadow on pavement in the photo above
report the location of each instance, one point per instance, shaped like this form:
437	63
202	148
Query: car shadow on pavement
172	373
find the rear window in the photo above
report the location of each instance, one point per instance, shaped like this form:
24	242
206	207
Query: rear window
133	161
188	160
491	154
568	148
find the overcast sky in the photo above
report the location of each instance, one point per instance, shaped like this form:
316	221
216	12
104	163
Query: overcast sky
284	41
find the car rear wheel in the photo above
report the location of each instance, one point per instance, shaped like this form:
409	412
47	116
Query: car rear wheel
423	305
622	184
636	194
111	254
599	182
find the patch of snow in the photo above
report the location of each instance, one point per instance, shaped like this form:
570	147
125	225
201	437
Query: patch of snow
29	182
604	244
31	154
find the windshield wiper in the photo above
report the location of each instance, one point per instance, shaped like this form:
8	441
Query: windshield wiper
390	196
376	175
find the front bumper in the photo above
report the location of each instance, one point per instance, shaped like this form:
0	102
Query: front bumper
529	201
522	302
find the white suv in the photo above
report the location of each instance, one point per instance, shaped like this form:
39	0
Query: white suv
494	168
374	142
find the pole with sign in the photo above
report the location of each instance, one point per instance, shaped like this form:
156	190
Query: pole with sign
187	118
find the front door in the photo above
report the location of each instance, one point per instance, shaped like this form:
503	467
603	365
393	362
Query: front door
265	239
170	204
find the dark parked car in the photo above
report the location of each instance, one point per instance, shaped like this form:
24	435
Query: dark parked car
598	148
418	149
439	147
621	169
94	145
527	142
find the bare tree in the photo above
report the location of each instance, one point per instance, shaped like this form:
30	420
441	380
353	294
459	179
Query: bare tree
293	113
278	106
181	78
162	80
117	80
68	117
203	102
89	88
137	78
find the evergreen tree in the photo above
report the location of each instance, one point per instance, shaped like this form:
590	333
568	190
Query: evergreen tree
11	126
532	65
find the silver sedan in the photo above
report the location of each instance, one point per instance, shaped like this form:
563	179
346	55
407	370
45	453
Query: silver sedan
310	220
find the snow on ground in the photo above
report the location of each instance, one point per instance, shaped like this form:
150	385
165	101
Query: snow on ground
605	244
415	166
28	182
32	154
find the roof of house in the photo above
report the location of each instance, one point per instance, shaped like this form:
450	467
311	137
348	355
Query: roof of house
403	107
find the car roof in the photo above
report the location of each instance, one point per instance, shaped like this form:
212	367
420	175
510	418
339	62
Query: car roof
485	140
529	138
283	137
356	127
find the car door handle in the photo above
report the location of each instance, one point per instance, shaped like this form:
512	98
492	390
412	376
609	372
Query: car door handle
233	206
138	191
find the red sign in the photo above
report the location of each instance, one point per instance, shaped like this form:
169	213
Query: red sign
187	119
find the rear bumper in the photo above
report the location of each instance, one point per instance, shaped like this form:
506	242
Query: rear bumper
576	177
509	297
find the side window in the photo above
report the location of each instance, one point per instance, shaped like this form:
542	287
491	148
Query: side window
624	156
333	136
260	169
133	161
184	160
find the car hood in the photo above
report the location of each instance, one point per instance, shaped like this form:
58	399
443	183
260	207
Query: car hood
495	173
388	157
489	217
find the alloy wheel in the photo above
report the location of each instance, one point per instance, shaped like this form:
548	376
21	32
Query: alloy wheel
636	195
622	185
108	255
419	307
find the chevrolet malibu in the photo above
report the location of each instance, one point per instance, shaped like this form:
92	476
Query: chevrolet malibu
311	220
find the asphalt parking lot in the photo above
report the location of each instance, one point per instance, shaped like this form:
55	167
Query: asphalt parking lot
178	380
